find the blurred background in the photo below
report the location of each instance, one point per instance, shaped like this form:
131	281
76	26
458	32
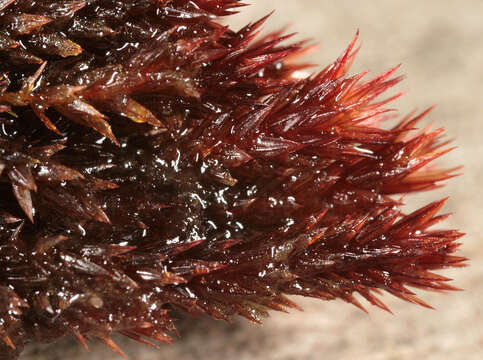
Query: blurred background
440	46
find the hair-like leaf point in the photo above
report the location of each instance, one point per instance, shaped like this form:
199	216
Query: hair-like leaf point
153	159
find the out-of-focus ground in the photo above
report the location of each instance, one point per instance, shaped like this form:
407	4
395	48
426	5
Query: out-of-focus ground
440	44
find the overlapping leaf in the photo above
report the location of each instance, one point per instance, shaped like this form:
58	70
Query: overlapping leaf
152	159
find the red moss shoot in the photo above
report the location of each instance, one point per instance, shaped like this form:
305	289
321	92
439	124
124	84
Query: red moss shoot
153	159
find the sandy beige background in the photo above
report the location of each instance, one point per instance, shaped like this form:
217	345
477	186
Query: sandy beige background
440	44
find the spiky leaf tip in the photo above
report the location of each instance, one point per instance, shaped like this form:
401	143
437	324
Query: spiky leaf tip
153	159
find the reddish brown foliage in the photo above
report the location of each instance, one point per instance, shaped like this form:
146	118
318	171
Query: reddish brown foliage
149	154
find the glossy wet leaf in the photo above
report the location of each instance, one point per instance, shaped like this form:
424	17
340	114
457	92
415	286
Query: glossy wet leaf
153	159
